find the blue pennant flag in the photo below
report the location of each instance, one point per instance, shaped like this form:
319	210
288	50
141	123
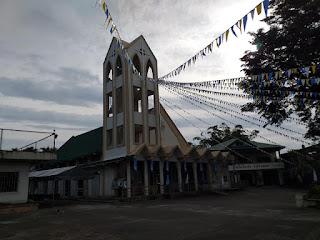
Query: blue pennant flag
233	31
245	18
107	12
185	166
167	180
135	164
167	165
215	166
266	6
151	166
311	81
201	167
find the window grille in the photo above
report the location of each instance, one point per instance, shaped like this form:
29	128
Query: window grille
9	181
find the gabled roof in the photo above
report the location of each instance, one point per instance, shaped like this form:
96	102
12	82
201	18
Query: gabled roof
239	145
65	173
185	147
89	143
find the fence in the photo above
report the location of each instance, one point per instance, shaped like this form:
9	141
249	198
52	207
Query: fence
25	140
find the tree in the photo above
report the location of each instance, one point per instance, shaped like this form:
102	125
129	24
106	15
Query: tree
214	135
292	41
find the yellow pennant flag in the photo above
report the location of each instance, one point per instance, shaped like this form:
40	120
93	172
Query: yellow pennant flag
217	42
110	19
240	23
114	28
313	69
259	9
280	73
227	33
104	6
307	81
295	70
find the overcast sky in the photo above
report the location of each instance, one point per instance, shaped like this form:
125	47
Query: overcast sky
51	55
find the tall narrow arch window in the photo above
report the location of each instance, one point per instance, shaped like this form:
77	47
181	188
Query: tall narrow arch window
118	67
149	68
109	72
136	63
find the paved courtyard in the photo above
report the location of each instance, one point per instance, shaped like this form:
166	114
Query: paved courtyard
253	214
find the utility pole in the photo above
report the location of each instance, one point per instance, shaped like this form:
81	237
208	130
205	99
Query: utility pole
1	137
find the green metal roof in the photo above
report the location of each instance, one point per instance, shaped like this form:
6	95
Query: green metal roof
85	144
239	145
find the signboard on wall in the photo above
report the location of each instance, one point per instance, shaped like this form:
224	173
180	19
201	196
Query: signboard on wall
256	166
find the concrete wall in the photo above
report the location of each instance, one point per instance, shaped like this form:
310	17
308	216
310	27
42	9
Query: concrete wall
21	196
168	138
109	176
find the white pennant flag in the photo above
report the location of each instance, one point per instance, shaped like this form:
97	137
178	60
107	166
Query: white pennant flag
315	177
252	13
307	71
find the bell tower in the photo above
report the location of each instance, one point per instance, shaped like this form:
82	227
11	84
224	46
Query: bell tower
131	111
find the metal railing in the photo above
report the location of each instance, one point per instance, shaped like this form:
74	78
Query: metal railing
27	140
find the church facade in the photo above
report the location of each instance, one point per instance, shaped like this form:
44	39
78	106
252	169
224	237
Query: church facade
139	138
142	150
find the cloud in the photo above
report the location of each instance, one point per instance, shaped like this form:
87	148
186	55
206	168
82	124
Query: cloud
28	115
67	86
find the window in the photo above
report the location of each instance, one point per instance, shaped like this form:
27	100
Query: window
136	63
120	135
151	102
109	73
150	70
118	67
138	134
119	99
109	138
152	136
9	181
137	99
109	105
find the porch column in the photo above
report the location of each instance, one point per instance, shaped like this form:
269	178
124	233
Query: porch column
146	178
280	175
195	176
260	178
161	177
128	179
210	183
178	164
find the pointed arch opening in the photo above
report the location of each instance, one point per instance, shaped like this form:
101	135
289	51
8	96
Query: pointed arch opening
109	72
151	97
118	67
150	72
136	63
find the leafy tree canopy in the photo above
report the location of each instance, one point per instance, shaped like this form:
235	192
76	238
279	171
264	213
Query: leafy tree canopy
290	42
217	134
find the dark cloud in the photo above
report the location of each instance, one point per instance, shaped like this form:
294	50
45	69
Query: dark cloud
25	115
69	87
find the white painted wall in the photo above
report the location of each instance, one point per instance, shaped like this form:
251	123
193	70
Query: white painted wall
109	176
168	138
21	196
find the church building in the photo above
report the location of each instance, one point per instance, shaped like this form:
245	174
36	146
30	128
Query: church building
139	150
